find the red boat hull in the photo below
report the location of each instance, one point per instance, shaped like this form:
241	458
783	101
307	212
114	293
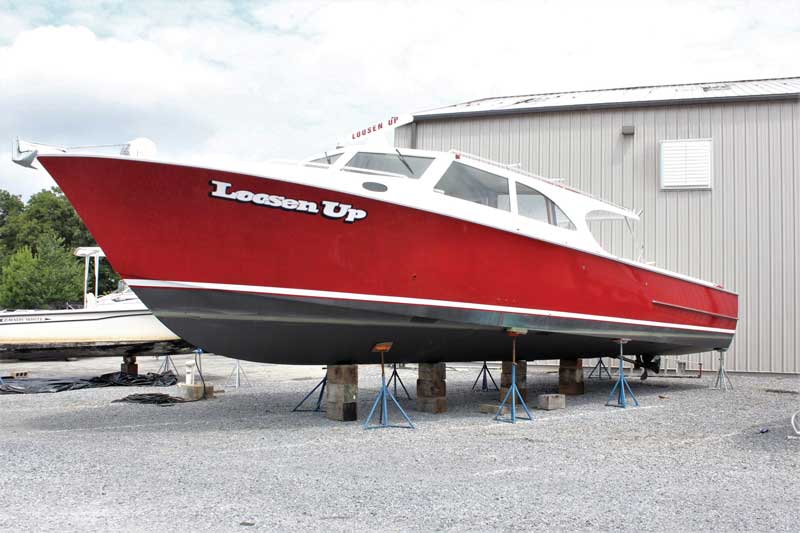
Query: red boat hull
281	285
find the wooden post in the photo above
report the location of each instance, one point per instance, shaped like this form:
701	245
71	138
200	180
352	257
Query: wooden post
432	388
570	376
341	393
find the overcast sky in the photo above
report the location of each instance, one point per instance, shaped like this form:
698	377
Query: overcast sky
210	81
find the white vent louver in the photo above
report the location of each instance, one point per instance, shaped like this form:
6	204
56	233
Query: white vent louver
686	164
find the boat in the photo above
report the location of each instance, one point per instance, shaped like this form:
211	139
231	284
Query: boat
440	253
113	324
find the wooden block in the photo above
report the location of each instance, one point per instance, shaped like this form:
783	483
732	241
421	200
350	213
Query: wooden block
570	376
432	371
522	391
343	412
431	389
432	405
341	393
548	402
346	374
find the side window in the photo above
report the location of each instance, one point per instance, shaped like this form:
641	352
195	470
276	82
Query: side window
533	204
469	183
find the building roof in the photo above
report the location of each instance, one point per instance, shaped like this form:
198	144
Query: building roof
721	91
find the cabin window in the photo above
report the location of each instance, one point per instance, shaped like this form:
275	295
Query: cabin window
406	165
331	159
469	183
533	204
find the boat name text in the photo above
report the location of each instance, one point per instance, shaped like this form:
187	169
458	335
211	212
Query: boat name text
334	210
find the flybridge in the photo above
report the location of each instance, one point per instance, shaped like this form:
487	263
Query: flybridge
330	209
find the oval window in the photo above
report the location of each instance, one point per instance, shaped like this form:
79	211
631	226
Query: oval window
374	186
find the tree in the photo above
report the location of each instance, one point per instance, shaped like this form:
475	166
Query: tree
52	276
10	206
47	212
19	285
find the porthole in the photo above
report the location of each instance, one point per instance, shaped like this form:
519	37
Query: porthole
374	186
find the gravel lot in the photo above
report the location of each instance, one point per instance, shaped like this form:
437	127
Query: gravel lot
688	459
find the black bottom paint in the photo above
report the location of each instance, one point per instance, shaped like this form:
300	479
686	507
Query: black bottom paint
299	331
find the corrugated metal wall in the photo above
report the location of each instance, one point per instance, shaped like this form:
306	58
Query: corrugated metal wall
744	233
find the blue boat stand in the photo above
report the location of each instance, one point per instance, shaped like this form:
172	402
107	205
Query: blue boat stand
513	391
383	400
621	386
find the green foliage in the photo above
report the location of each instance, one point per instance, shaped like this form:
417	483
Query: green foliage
43	234
50	277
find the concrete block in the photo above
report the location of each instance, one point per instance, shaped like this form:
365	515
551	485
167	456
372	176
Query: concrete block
548	402
431	389
432	405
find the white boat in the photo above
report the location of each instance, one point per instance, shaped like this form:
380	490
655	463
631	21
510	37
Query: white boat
115	324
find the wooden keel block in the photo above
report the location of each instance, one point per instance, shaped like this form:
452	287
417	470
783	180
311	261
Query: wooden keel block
432	371
570	376
431	389
341	393
432	405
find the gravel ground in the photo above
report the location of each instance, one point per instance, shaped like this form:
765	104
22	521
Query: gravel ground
688	459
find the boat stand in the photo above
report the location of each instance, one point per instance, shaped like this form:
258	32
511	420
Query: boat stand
238	378
621	387
513	391
317	408
168	365
383	398
485	383
394	378
723	381
600	367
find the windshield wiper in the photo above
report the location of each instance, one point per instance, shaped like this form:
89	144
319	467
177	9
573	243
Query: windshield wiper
403	160
327	158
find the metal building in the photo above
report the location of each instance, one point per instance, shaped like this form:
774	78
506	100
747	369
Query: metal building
714	167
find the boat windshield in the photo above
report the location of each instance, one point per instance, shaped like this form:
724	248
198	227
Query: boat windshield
327	160
405	165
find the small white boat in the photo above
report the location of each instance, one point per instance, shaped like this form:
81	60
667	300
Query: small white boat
115	324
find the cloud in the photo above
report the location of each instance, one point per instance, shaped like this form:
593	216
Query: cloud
212	81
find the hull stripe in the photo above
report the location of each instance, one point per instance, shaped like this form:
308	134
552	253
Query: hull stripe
307	293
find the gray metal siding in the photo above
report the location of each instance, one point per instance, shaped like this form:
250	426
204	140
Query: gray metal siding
743	233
